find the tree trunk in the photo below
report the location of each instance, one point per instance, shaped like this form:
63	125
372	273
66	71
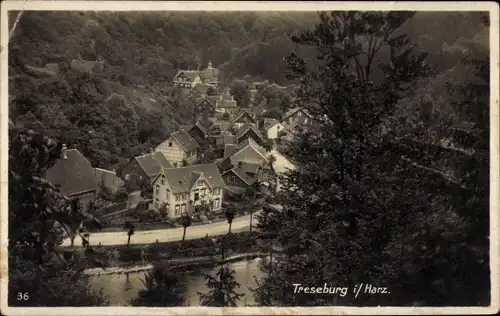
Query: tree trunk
128	241
184	234
251	218
72	241
230	224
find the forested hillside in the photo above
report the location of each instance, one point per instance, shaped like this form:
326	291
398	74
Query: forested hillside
100	81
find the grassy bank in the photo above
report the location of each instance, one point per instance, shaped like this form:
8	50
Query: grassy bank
133	255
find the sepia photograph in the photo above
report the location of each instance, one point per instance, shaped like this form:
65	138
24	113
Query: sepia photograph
233	157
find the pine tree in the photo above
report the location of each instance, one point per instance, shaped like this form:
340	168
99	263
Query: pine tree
164	287
339	211
222	287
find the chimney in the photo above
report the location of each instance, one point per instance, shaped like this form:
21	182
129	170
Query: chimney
240	164
64	154
232	98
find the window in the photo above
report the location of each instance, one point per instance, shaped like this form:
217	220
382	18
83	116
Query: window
217	191
200	183
169	144
175	164
127	177
157	188
168	194
196	196
157	203
305	120
177	210
163	180
217	203
202	192
177	197
183	208
167	207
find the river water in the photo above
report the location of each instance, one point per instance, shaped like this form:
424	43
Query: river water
120	290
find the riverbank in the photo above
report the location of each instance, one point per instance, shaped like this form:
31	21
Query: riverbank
182	265
194	252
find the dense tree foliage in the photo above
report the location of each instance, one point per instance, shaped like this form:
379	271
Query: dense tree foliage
163	287
40	217
371	200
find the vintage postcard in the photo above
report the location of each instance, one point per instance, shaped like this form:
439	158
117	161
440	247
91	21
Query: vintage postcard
249	158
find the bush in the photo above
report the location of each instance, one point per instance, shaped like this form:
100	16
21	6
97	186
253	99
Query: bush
128	254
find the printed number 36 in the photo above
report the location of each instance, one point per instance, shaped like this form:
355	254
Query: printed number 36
22	296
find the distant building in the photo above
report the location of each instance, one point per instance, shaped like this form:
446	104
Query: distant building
75	177
199	79
145	167
242	118
297	115
179	147
245	165
249	130
187	79
272	127
180	190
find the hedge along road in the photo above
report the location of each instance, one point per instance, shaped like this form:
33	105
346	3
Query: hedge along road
240	224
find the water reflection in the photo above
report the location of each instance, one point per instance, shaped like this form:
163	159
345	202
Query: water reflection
121	288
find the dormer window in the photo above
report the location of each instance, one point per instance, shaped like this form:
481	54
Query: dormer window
170	144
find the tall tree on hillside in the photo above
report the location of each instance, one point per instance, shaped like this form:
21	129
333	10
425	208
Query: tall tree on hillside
186	222
337	203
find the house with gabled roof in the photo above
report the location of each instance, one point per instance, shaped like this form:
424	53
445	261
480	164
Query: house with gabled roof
297	115
249	130
272	127
74	175
144	168
179	147
242	118
187	79
245	165
181	190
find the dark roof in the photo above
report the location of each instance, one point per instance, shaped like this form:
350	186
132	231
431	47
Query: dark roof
200	126
261	108
229	149
210	100
241	114
257	152
185	140
249	167
189	74
180	179
295	110
245	128
74	174
152	163
248	179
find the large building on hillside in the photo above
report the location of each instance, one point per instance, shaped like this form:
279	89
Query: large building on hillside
209	77
179	191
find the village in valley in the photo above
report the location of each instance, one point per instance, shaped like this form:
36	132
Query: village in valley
170	158
226	160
